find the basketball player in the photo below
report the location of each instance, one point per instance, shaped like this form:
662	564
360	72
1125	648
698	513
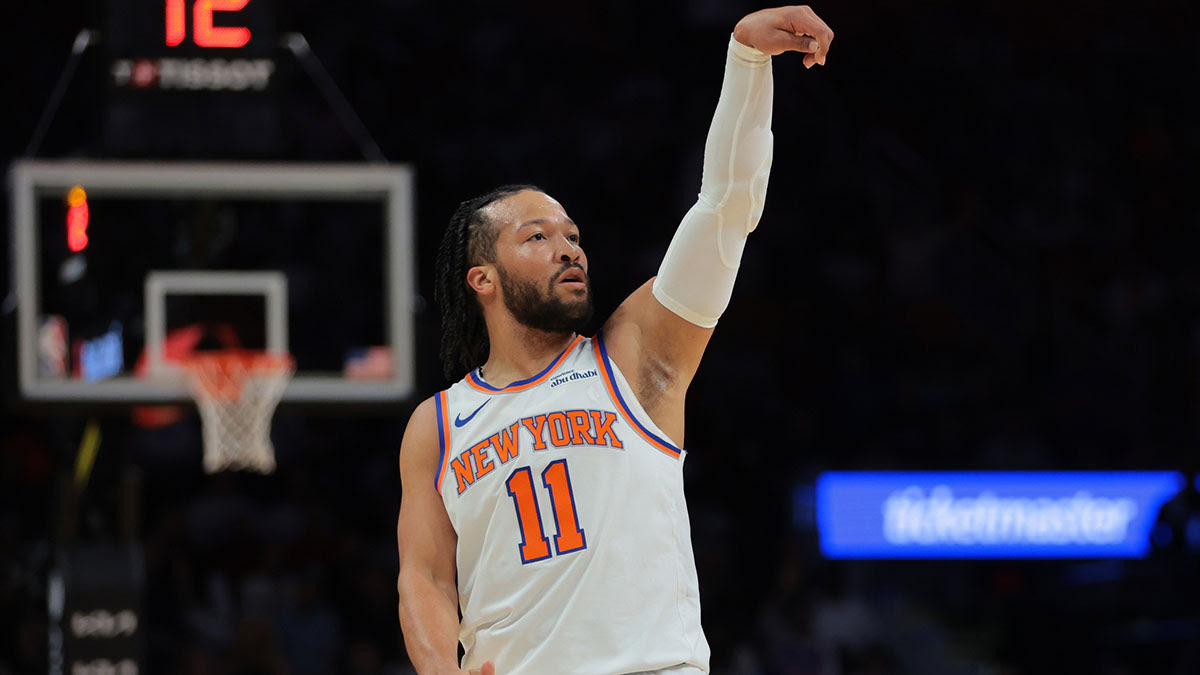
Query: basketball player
543	492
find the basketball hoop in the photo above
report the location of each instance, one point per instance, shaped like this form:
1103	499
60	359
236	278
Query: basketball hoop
236	392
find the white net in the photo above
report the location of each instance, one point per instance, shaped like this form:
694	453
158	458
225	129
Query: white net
236	392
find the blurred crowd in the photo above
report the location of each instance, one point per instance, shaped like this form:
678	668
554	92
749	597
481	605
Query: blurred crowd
977	253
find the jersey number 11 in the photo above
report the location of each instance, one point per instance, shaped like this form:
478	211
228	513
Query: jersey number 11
535	545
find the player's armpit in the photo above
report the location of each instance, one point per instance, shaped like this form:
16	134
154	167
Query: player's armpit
426	541
659	353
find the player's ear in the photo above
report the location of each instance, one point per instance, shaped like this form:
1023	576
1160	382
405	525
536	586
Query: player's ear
482	279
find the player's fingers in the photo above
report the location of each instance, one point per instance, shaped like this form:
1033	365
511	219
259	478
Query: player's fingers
803	43
489	668
818	30
824	50
817	47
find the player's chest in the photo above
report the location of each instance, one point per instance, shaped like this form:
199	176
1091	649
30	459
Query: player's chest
571	417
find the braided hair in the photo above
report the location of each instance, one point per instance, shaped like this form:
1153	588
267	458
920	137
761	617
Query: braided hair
469	240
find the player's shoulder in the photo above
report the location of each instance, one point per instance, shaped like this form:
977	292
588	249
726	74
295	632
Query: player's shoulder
425	413
624	331
421	435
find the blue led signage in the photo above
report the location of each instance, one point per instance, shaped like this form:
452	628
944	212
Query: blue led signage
1087	514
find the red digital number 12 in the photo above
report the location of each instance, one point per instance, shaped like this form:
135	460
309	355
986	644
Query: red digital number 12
205	34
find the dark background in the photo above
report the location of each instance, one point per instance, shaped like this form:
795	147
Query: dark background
978	252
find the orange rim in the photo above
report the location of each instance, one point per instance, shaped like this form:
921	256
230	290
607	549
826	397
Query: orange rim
221	374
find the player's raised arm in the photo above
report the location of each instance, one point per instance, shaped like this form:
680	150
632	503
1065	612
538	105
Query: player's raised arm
426	541
659	333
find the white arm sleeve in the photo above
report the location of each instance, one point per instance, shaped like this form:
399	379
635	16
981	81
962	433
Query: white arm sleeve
696	278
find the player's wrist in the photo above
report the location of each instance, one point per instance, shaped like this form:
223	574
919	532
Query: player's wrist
745	51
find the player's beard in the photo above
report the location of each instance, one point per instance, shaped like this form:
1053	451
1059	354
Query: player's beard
543	310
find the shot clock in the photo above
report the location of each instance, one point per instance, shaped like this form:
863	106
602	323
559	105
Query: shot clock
205	33
197	45
192	78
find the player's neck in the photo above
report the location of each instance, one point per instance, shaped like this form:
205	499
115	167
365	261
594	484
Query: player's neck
518	352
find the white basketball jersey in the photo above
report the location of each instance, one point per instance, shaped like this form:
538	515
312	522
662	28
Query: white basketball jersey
574	548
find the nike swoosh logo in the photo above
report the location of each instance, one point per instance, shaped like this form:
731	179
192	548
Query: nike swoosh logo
459	421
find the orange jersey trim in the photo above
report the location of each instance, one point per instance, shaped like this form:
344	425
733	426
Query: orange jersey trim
443	423
521	385
610	383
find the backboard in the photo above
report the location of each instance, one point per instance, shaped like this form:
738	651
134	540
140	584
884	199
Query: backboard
119	265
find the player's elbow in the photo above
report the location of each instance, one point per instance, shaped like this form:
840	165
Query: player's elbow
408	587
417	578
739	204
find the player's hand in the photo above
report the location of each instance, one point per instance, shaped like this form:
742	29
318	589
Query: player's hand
786	29
488	668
